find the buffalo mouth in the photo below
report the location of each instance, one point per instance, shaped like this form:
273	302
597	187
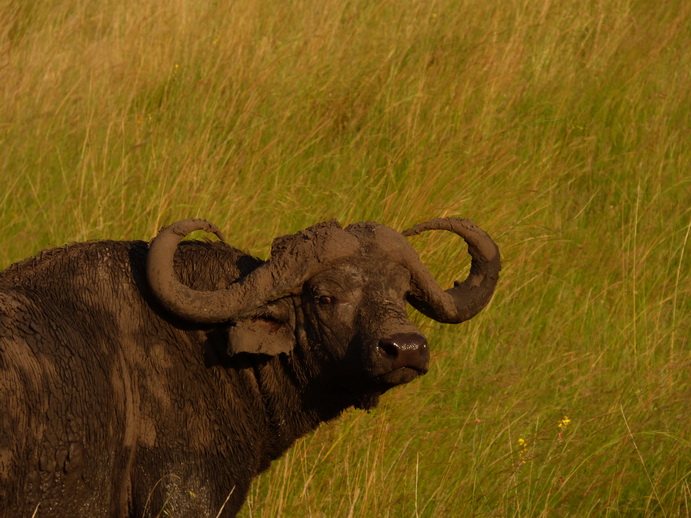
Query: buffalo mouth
400	376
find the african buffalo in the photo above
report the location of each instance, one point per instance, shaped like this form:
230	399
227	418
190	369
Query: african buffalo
136	377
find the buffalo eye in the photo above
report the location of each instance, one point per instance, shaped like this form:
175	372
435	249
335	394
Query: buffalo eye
325	300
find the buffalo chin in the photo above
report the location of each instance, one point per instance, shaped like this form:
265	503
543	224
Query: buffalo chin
367	401
384	382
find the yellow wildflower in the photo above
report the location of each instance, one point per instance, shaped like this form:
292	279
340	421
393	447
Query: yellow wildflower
523	445
563	423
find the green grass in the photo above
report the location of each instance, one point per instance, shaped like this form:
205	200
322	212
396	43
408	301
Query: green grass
562	128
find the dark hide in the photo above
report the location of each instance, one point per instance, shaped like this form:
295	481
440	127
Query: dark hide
114	407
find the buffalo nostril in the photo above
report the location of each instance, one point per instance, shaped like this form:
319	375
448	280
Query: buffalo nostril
388	349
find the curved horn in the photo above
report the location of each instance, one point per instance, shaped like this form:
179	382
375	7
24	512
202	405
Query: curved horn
293	260
466	298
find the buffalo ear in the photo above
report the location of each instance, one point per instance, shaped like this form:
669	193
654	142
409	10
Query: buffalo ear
267	331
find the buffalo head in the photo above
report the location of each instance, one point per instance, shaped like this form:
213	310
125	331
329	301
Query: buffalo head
339	293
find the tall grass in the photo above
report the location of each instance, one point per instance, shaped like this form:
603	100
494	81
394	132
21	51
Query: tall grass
563	128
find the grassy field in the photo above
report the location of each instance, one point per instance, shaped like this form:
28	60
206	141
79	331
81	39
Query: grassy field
562	128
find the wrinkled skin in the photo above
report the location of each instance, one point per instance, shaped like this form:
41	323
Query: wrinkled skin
115	407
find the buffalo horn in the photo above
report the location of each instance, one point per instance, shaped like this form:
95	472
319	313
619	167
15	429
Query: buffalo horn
466	298
294	259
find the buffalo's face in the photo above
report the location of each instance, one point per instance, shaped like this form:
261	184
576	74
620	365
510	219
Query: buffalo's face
355	314
337	293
